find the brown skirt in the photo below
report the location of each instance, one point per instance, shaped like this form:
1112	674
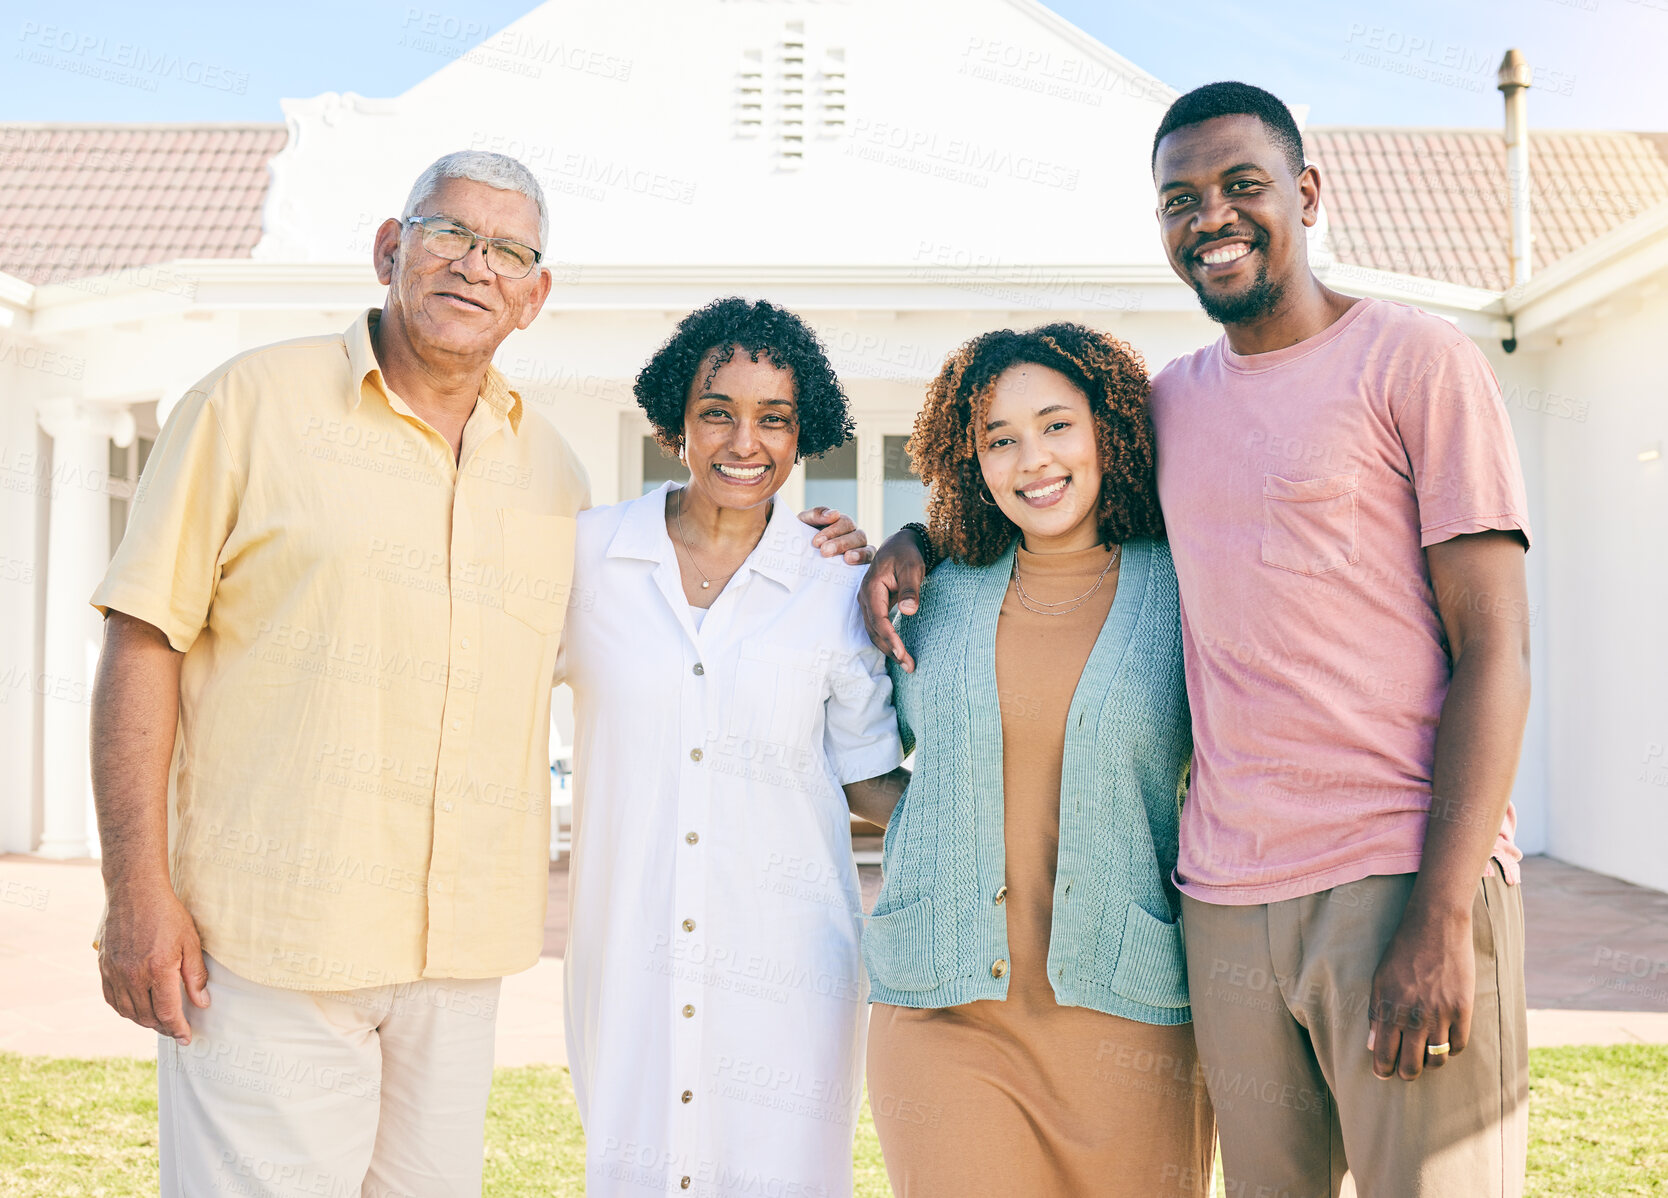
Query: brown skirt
1035	1099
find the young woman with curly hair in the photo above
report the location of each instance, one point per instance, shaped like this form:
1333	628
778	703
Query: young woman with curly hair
729	714
1031	1032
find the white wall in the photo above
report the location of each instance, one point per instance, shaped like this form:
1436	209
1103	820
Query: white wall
1520	376
1604	538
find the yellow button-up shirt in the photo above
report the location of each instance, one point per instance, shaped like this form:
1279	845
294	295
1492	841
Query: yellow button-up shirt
370	627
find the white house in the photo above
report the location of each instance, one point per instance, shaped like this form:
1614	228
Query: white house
903	175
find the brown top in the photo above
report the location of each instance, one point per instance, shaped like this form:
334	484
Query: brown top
1039	659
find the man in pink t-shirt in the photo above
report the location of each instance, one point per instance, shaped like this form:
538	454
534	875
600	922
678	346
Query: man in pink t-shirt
1347	516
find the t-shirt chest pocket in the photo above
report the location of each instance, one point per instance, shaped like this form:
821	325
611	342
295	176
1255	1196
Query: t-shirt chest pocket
778	700
1310	525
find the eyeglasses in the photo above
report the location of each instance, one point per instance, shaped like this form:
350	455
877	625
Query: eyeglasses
445	238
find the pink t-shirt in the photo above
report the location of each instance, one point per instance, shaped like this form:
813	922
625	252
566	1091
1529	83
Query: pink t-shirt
1300	488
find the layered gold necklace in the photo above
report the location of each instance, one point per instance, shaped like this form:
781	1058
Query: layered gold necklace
1060	608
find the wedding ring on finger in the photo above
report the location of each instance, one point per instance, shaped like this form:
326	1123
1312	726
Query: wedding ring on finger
1436	1050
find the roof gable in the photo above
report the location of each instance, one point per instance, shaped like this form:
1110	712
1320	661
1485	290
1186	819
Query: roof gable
867	132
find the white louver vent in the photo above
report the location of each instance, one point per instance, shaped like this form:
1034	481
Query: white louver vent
789	95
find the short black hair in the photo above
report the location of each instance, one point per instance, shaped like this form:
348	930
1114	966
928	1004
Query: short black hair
1235	99
757	328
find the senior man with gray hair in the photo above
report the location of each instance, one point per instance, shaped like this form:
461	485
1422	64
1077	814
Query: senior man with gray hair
331	630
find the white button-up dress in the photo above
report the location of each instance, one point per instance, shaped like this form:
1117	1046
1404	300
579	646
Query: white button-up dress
716	1004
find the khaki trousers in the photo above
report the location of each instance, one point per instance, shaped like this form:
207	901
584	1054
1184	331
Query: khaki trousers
375	1093
1280	1012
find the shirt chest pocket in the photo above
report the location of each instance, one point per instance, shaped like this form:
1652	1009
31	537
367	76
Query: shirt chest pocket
1309	526
538	566
777	701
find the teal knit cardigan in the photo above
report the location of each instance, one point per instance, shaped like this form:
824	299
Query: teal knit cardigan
938	931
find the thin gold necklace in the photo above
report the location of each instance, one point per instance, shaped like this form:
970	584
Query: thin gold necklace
677	518
1041	607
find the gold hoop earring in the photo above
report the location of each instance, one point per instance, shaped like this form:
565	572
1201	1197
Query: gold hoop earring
985	498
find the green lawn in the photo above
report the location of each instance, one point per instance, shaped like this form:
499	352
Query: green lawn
87	1129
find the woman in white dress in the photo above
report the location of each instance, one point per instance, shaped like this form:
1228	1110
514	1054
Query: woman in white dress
728	711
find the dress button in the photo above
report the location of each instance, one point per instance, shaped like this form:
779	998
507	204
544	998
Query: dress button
699	669
689	925
694	754
688	1095
688	1011
999	968
1001	896
692	837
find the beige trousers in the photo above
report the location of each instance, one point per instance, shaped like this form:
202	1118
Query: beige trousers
376	1093
1280	1010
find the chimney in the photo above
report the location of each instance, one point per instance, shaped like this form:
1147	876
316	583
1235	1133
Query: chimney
1514	82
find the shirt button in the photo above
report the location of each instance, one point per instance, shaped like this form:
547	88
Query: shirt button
689	925
446	806
437	884
999	968
694	754
464	643
1001	896
688	1011
699	669
688	1096
457	725
684	1184
692	837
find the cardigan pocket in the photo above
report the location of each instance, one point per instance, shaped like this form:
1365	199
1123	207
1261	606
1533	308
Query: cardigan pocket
1152	968
899	950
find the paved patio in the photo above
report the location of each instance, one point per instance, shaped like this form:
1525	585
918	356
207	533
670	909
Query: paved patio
1597	970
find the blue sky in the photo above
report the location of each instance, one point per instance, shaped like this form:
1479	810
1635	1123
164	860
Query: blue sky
1405	62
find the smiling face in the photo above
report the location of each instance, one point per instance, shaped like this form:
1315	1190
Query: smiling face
1040	458
1232	216
461	309
740	429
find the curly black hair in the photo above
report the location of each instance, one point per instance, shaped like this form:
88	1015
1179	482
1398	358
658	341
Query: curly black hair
757	328
963	522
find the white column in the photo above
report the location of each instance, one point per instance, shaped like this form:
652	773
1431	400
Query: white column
78	551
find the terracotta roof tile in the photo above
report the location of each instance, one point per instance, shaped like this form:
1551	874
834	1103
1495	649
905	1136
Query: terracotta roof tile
79	200
1433	202
84	199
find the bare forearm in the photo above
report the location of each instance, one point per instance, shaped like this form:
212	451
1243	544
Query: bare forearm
135	714
1478	739
874	799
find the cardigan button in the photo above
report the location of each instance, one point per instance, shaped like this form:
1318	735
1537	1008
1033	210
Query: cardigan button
999	968
1001	896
